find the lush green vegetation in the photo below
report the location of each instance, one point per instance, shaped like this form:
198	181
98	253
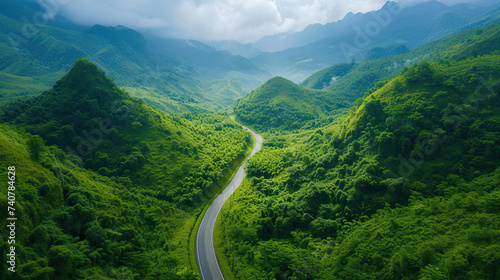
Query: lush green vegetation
322	79
107	186
280	104
404	187
105	130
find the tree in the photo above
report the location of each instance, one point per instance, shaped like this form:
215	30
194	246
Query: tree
61	259
36	146
96	235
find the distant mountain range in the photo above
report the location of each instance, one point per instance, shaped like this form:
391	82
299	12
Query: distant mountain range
363	36
385	32
399	17
215	64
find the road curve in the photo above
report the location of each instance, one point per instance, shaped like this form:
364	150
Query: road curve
208	264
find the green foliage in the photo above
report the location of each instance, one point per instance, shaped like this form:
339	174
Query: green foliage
348	82
327	76
434	239
100	127
35	146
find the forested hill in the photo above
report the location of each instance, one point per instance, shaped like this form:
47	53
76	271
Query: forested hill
107	186
404	187
282	104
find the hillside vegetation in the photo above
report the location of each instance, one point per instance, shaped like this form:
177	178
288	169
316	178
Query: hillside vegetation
280	104
404	187
108	187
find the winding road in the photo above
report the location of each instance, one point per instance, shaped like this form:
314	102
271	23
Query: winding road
205	252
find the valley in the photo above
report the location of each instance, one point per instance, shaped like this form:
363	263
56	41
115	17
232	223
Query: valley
362	148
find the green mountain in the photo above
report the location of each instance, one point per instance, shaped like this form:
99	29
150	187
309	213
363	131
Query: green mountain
403	187
34	56
89	117
327	76
282	104
107	186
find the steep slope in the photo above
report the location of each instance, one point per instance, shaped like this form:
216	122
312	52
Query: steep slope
327	76
423	147
89	117
282	104
109	187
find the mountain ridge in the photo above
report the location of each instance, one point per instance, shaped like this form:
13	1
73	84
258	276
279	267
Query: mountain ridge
174	84
411	27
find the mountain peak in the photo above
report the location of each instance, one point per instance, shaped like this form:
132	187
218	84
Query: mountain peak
83	64
85	78
120	34
348	15
389	4
279	79
278	84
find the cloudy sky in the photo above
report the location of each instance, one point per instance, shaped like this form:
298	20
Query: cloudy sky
241	20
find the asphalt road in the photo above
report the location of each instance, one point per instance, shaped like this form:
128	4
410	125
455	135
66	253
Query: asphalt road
205	252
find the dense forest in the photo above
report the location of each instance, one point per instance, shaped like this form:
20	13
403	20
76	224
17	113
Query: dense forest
108	187
405	186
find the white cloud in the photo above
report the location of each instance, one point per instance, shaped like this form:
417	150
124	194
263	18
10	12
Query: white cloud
242	20
231	19
248	21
